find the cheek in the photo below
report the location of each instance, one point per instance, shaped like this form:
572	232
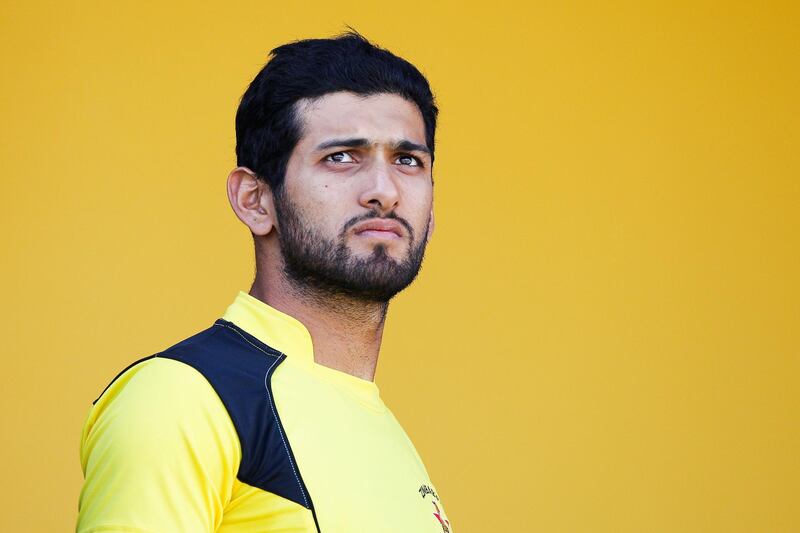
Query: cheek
326	206
420	201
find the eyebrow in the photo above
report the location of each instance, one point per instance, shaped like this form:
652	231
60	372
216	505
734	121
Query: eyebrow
356	142
409	146
360	142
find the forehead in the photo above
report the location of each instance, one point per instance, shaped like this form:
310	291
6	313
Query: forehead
382	118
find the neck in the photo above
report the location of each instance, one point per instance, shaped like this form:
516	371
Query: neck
346	332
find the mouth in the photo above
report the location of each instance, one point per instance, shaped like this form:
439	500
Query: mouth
379	228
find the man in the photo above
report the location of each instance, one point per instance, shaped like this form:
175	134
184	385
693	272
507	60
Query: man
269	420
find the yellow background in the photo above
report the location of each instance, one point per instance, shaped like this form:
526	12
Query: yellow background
605	336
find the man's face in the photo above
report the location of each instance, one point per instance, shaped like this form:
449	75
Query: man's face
354	213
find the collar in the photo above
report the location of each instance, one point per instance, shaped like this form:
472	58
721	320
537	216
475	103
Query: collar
272	327
290	337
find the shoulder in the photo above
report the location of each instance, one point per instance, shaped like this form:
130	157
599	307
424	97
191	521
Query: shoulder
161	403
158	437
155	404
156	382
183	378
201	387
163	389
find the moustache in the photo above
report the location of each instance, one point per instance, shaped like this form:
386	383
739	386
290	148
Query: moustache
374	214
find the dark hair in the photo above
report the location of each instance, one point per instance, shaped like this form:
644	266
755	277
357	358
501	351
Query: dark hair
267	127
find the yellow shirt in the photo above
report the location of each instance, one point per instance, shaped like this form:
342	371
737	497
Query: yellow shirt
237	429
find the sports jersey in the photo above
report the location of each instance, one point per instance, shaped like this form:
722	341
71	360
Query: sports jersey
238	429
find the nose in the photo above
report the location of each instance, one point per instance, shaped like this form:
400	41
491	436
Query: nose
380	192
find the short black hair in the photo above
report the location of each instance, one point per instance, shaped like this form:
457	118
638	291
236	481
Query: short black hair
267	127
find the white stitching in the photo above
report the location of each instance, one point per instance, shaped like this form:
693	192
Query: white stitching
272	406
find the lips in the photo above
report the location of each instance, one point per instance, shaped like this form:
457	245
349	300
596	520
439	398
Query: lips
379	227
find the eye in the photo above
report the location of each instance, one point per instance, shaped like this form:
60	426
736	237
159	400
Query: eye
409	160
340	157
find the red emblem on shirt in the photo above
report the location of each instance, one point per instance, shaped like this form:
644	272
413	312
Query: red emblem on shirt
445	523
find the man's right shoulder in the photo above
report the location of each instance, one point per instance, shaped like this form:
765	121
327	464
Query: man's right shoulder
143	440
222	369
154	368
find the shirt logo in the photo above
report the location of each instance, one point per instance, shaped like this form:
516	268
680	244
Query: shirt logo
426	490
444	521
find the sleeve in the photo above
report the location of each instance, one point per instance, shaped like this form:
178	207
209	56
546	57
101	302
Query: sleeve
159	453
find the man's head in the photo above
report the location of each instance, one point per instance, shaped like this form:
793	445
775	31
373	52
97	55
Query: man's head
335	144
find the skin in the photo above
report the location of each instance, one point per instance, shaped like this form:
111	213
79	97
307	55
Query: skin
387	170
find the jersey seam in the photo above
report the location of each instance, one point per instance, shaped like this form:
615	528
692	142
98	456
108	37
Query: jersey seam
272	407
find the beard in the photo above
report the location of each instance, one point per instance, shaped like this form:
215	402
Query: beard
327	267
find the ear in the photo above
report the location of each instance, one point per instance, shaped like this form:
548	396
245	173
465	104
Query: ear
431	227
251	200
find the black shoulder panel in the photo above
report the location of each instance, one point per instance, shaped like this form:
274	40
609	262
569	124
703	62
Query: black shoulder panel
240	368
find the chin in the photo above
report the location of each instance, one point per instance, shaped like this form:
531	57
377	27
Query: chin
396	251
383	251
